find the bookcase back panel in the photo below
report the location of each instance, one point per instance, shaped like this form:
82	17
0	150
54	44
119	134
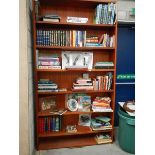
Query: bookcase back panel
72	26
75	3
74	120
64	12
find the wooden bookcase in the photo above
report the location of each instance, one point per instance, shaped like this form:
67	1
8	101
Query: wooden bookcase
65	78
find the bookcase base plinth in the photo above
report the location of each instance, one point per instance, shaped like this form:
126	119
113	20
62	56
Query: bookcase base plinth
64	142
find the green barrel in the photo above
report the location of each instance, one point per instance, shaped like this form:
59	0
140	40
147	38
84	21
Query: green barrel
126	133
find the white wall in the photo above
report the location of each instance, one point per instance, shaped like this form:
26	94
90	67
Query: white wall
30	79
26	110
23	76
123	7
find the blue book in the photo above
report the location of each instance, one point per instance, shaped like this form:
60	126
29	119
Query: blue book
76	43
51	124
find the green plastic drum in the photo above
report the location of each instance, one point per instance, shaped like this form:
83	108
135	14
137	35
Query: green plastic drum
126	134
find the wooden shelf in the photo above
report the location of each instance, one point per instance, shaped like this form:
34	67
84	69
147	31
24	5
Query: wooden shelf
100	1
81	130
66	142
82	91
75	48
83	25
74	70
42	114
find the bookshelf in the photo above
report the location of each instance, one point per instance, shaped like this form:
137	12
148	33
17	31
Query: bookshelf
45	136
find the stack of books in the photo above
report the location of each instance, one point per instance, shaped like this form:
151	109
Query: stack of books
46	85
105	14
103	138
105	40
103	82
83	84
51	18
49	62
101	104
92	41
49	124
104	65
101	123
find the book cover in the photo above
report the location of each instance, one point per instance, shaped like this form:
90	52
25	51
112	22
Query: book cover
47	103
85	119
84	103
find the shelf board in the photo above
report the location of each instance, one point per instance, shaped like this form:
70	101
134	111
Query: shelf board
41	114
100	1
82	91
74	24
74	48
81	130
71	70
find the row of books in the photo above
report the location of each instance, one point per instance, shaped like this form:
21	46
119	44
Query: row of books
46	85
105	13
49	124
48	62
61	38
103	82
54	123
98	83
101	104
72	38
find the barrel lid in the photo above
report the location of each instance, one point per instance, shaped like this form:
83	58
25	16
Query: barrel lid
124	113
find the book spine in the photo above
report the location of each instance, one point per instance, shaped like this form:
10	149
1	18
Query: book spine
57	123
54	44
70	41
52	38
43	125
51	124
46	124
77	39
56	38
74	38
60	122
60	37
